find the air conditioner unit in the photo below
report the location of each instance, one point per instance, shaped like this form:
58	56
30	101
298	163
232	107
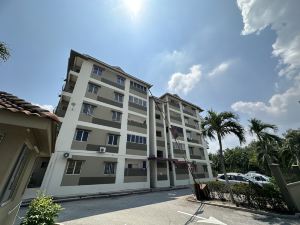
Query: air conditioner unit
102	149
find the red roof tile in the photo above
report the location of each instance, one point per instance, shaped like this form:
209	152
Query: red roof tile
15	104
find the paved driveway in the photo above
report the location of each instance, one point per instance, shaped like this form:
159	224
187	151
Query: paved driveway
158	208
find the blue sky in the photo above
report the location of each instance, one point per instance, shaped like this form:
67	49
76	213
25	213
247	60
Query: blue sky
245	56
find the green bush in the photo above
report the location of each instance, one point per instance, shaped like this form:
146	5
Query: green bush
267	197
42	211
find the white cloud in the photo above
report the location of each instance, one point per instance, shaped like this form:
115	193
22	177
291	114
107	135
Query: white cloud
47	107
221	68
282	17
184	83
281	108
175	59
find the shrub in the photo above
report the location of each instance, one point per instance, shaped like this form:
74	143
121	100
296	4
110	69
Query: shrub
267	197
42	211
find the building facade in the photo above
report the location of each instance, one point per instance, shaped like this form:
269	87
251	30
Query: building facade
113	136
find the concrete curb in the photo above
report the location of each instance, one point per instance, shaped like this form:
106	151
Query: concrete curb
26	202
255	211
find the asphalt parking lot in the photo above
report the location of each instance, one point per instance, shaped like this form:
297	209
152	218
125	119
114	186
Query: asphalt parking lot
156	208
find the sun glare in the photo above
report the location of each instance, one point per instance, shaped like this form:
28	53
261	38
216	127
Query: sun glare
133	6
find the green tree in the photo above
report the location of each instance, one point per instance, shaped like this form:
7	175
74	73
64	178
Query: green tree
4	52
290	151
267	142
217	126
236	160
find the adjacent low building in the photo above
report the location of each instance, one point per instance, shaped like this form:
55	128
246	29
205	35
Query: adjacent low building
114	136
27	134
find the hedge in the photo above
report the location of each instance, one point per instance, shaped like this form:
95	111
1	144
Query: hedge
267	197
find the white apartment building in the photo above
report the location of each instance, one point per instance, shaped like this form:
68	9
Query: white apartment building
114	137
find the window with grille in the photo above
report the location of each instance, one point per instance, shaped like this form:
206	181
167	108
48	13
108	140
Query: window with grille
93	88
138	86
119	97
11	184
137	101
116	116
121	80
109	168
136	139
74	167
88	109
113	139
97	70
81	135
158	134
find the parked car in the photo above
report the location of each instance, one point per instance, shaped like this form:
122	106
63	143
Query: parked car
260	178
234	178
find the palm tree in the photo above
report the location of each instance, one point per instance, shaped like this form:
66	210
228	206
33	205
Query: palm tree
218	125
4	53
290	150
266	140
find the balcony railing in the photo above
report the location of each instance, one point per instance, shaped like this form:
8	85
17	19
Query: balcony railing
76	69
189	112
135	172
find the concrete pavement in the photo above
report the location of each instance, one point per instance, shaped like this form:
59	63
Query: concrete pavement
157	208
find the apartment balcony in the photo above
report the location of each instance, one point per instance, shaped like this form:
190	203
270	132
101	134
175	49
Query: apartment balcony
200	157
192	126
76	69
193	140
69	87
135	172
191	113
135	175
175	106
61	109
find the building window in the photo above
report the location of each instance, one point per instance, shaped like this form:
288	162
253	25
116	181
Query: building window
194	111
121	80
136	139
74	167
93	88
186	120
97	70
138	86
119	97
189	135
144	164
191	149
137	101
116	116
88	109
157	116
109	168
205	168
179	146
158	133
113	139
160	154
81	135
17	170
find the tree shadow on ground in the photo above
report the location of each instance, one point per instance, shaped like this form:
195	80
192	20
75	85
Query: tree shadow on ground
198	211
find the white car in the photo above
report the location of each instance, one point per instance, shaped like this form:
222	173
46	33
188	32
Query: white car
234	178
260	178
